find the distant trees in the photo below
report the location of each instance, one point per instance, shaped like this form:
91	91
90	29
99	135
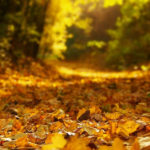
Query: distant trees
62	15
58	28
37	27
89	41
130	42
21	24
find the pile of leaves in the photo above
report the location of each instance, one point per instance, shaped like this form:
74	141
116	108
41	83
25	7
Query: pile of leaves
43	109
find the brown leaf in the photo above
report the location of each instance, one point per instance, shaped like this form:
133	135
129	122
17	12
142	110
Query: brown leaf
136	145
84	116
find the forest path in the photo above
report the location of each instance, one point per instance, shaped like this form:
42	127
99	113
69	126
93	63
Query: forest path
89	71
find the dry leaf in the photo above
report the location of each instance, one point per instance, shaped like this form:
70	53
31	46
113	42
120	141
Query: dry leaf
49	139
84	116
118	145
127	128
17	125
77	144
136	145
112	116
81	111
57	142
22	142
144	143
113	127
105	148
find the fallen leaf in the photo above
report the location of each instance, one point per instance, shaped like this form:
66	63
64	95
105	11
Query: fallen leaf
112	116
77	144
127	128
49	139
105	148
57	142
84	116
81	111
136	145
118	145
144	143
22	142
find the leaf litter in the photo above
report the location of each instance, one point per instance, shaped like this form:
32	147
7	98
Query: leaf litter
42	108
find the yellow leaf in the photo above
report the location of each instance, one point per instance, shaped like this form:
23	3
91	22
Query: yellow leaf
49	139
105	148
57	142
92	110
112	116
136	145
17	125
22	142
118	145
113	127
128	127
77	144
82	111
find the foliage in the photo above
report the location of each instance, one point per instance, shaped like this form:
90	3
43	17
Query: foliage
69	28
62	15
98	44
45	27
76	45
40	27
131	39
88	40
21	25
108	3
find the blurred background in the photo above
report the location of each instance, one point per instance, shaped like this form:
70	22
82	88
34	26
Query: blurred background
102	33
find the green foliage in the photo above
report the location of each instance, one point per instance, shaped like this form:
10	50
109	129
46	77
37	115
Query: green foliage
131	40
60	16
76	45
98	44
58	28
21	27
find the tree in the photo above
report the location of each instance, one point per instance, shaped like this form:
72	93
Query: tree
21	24
131	40
61	15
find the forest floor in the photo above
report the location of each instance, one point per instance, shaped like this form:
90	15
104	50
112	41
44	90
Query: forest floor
59	106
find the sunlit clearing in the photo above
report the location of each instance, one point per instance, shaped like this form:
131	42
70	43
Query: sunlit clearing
26	81
99	75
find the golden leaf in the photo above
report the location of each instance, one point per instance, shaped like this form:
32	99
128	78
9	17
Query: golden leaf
113	127
82	111
77	144
57	142
17	125
105	148
127	128
92	110
22	142
136	145
118	145
112	116
49	139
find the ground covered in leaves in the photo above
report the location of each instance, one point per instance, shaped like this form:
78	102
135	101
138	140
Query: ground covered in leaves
58	108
